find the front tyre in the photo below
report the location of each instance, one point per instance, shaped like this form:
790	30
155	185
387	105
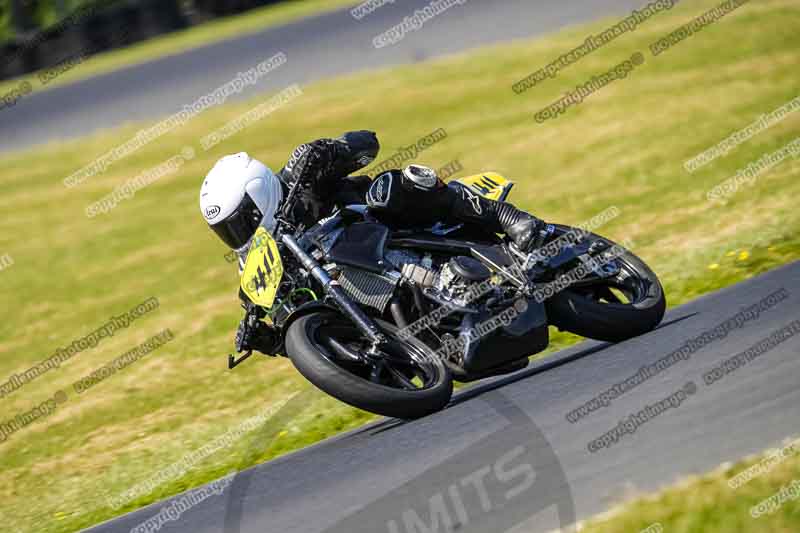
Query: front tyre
405	381
625	305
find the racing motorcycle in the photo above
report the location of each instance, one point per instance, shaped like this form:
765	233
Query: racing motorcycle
386	319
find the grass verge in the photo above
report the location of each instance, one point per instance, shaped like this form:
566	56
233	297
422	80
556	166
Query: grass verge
624	146
717	502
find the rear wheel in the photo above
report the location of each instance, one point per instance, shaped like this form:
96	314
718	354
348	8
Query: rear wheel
628	303
402	380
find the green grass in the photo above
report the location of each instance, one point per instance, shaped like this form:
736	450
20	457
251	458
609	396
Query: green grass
708	503
623	146
194	37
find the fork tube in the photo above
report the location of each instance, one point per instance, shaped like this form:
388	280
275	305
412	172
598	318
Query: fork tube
332	288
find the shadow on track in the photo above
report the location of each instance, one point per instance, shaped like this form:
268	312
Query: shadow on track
541	366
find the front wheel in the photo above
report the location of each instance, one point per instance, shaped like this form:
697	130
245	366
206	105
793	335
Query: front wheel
622	306
403	380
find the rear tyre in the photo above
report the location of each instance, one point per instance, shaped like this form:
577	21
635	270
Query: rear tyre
598	312
406	382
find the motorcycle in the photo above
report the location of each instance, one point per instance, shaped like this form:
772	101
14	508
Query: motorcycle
386	319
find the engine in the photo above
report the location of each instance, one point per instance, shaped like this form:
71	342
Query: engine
462	281
458	280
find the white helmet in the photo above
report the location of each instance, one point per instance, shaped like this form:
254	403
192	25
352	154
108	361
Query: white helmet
238	195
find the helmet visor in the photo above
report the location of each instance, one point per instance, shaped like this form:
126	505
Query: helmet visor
237	229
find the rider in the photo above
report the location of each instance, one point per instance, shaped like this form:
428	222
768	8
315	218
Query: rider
241	193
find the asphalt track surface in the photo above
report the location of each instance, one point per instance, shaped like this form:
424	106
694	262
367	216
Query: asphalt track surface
368	480
316	48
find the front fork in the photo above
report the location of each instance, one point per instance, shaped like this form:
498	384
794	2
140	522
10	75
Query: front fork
331	288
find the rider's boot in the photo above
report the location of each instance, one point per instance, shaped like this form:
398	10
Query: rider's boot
527	231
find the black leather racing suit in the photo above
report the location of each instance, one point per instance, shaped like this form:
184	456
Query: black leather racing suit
324	167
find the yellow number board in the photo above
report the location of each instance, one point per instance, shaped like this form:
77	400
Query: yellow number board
263	269
490	185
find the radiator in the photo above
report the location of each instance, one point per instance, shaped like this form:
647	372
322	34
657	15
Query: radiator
366	288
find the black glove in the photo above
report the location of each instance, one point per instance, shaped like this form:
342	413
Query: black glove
320	163
253	334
